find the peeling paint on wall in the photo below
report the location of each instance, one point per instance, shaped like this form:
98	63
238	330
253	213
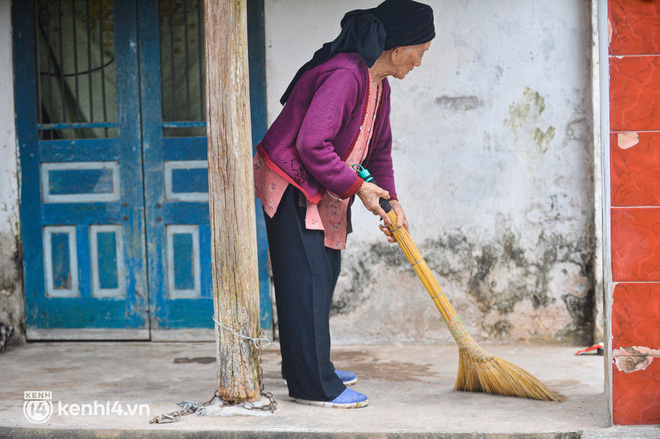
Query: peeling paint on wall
461	103
543	138
634	359
627	140
524	115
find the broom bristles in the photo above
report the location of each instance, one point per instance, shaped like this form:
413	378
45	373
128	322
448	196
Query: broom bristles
479	371
499	377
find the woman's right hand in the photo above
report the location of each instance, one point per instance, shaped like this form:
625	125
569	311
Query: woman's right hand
370	194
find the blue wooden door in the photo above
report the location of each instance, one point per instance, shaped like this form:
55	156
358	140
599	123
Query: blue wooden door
114	188
82	210
175	160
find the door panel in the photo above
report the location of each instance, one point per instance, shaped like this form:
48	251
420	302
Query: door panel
175	175
81	184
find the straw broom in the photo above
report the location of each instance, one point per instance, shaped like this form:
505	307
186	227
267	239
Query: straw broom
478	371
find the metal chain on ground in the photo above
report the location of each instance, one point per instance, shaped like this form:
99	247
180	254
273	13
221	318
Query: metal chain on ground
272	402
187	407
199	409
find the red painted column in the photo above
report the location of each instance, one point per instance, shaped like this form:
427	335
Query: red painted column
634	63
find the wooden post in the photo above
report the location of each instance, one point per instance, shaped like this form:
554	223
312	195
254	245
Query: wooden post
231	198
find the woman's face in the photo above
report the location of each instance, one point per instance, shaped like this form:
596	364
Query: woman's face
407	58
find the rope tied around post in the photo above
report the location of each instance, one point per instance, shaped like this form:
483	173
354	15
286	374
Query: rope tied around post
257	342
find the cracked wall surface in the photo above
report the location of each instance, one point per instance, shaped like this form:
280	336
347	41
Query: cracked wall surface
11	259
493	154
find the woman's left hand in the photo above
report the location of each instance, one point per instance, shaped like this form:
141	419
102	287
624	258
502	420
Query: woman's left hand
400	222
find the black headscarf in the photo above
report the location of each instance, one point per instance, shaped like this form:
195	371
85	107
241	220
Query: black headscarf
369	32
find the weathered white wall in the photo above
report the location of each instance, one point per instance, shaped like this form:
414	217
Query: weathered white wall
493	159
11	289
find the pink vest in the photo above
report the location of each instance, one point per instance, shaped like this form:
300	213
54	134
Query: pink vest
329	214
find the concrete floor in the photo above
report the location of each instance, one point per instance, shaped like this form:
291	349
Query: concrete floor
409	389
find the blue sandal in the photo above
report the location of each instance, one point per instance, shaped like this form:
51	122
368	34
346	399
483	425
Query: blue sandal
348	399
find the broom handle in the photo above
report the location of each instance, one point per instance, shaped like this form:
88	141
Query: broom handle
418	263
412	253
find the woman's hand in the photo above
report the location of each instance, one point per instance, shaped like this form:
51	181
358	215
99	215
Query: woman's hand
401	221
369	194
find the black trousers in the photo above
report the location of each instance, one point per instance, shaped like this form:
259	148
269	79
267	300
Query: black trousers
305	273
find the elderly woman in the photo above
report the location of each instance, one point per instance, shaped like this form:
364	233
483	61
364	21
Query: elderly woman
336	114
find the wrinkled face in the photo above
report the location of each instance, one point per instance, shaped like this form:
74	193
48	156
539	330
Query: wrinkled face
407	58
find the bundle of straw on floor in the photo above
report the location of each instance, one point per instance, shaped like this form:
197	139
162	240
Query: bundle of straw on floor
478	371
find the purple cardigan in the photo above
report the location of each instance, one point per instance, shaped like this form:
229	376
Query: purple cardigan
318	127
